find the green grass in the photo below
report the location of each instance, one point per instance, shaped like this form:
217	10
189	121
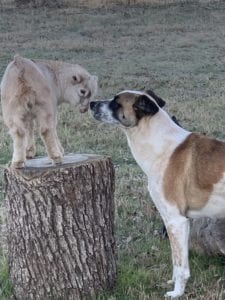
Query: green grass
177	50
5	287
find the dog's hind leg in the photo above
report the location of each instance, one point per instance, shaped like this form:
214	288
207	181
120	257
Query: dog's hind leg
178	231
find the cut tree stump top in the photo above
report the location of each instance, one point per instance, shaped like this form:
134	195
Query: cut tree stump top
36	166
69	159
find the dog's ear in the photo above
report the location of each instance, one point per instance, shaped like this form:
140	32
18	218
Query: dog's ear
145	106
157	99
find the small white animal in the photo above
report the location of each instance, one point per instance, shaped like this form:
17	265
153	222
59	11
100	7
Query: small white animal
32	90
186	171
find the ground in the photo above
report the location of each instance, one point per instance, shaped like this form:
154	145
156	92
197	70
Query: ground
176	50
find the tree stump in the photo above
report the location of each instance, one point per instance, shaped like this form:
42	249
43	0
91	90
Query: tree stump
61	228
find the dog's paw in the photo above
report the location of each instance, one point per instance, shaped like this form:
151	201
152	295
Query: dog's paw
173	294
18	164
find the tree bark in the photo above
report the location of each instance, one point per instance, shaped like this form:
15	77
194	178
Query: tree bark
208	236
61	228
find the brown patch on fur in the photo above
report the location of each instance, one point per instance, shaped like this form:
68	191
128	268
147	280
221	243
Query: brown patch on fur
127	100
126	113
194	167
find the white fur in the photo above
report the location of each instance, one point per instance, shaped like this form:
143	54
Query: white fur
131	92
152	148
178	231
158	142
107	113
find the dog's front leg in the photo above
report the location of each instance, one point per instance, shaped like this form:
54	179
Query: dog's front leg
178	228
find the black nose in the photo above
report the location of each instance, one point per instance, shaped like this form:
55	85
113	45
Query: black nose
92	104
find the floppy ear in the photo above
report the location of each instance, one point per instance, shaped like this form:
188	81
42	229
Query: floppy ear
157	99
145	106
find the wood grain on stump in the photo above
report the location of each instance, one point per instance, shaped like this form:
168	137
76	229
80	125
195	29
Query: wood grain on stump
61	228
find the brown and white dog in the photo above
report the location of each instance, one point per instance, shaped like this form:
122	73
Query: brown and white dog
186	171
32	90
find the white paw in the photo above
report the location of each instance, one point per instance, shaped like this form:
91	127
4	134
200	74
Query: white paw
173	294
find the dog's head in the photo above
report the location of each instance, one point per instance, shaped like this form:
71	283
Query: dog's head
127	108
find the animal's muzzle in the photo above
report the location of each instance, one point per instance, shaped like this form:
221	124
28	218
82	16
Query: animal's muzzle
95	107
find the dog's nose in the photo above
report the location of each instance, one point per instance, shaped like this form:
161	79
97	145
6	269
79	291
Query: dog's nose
92	104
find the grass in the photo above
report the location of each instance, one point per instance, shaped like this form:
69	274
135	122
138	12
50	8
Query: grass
177	50
5	288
